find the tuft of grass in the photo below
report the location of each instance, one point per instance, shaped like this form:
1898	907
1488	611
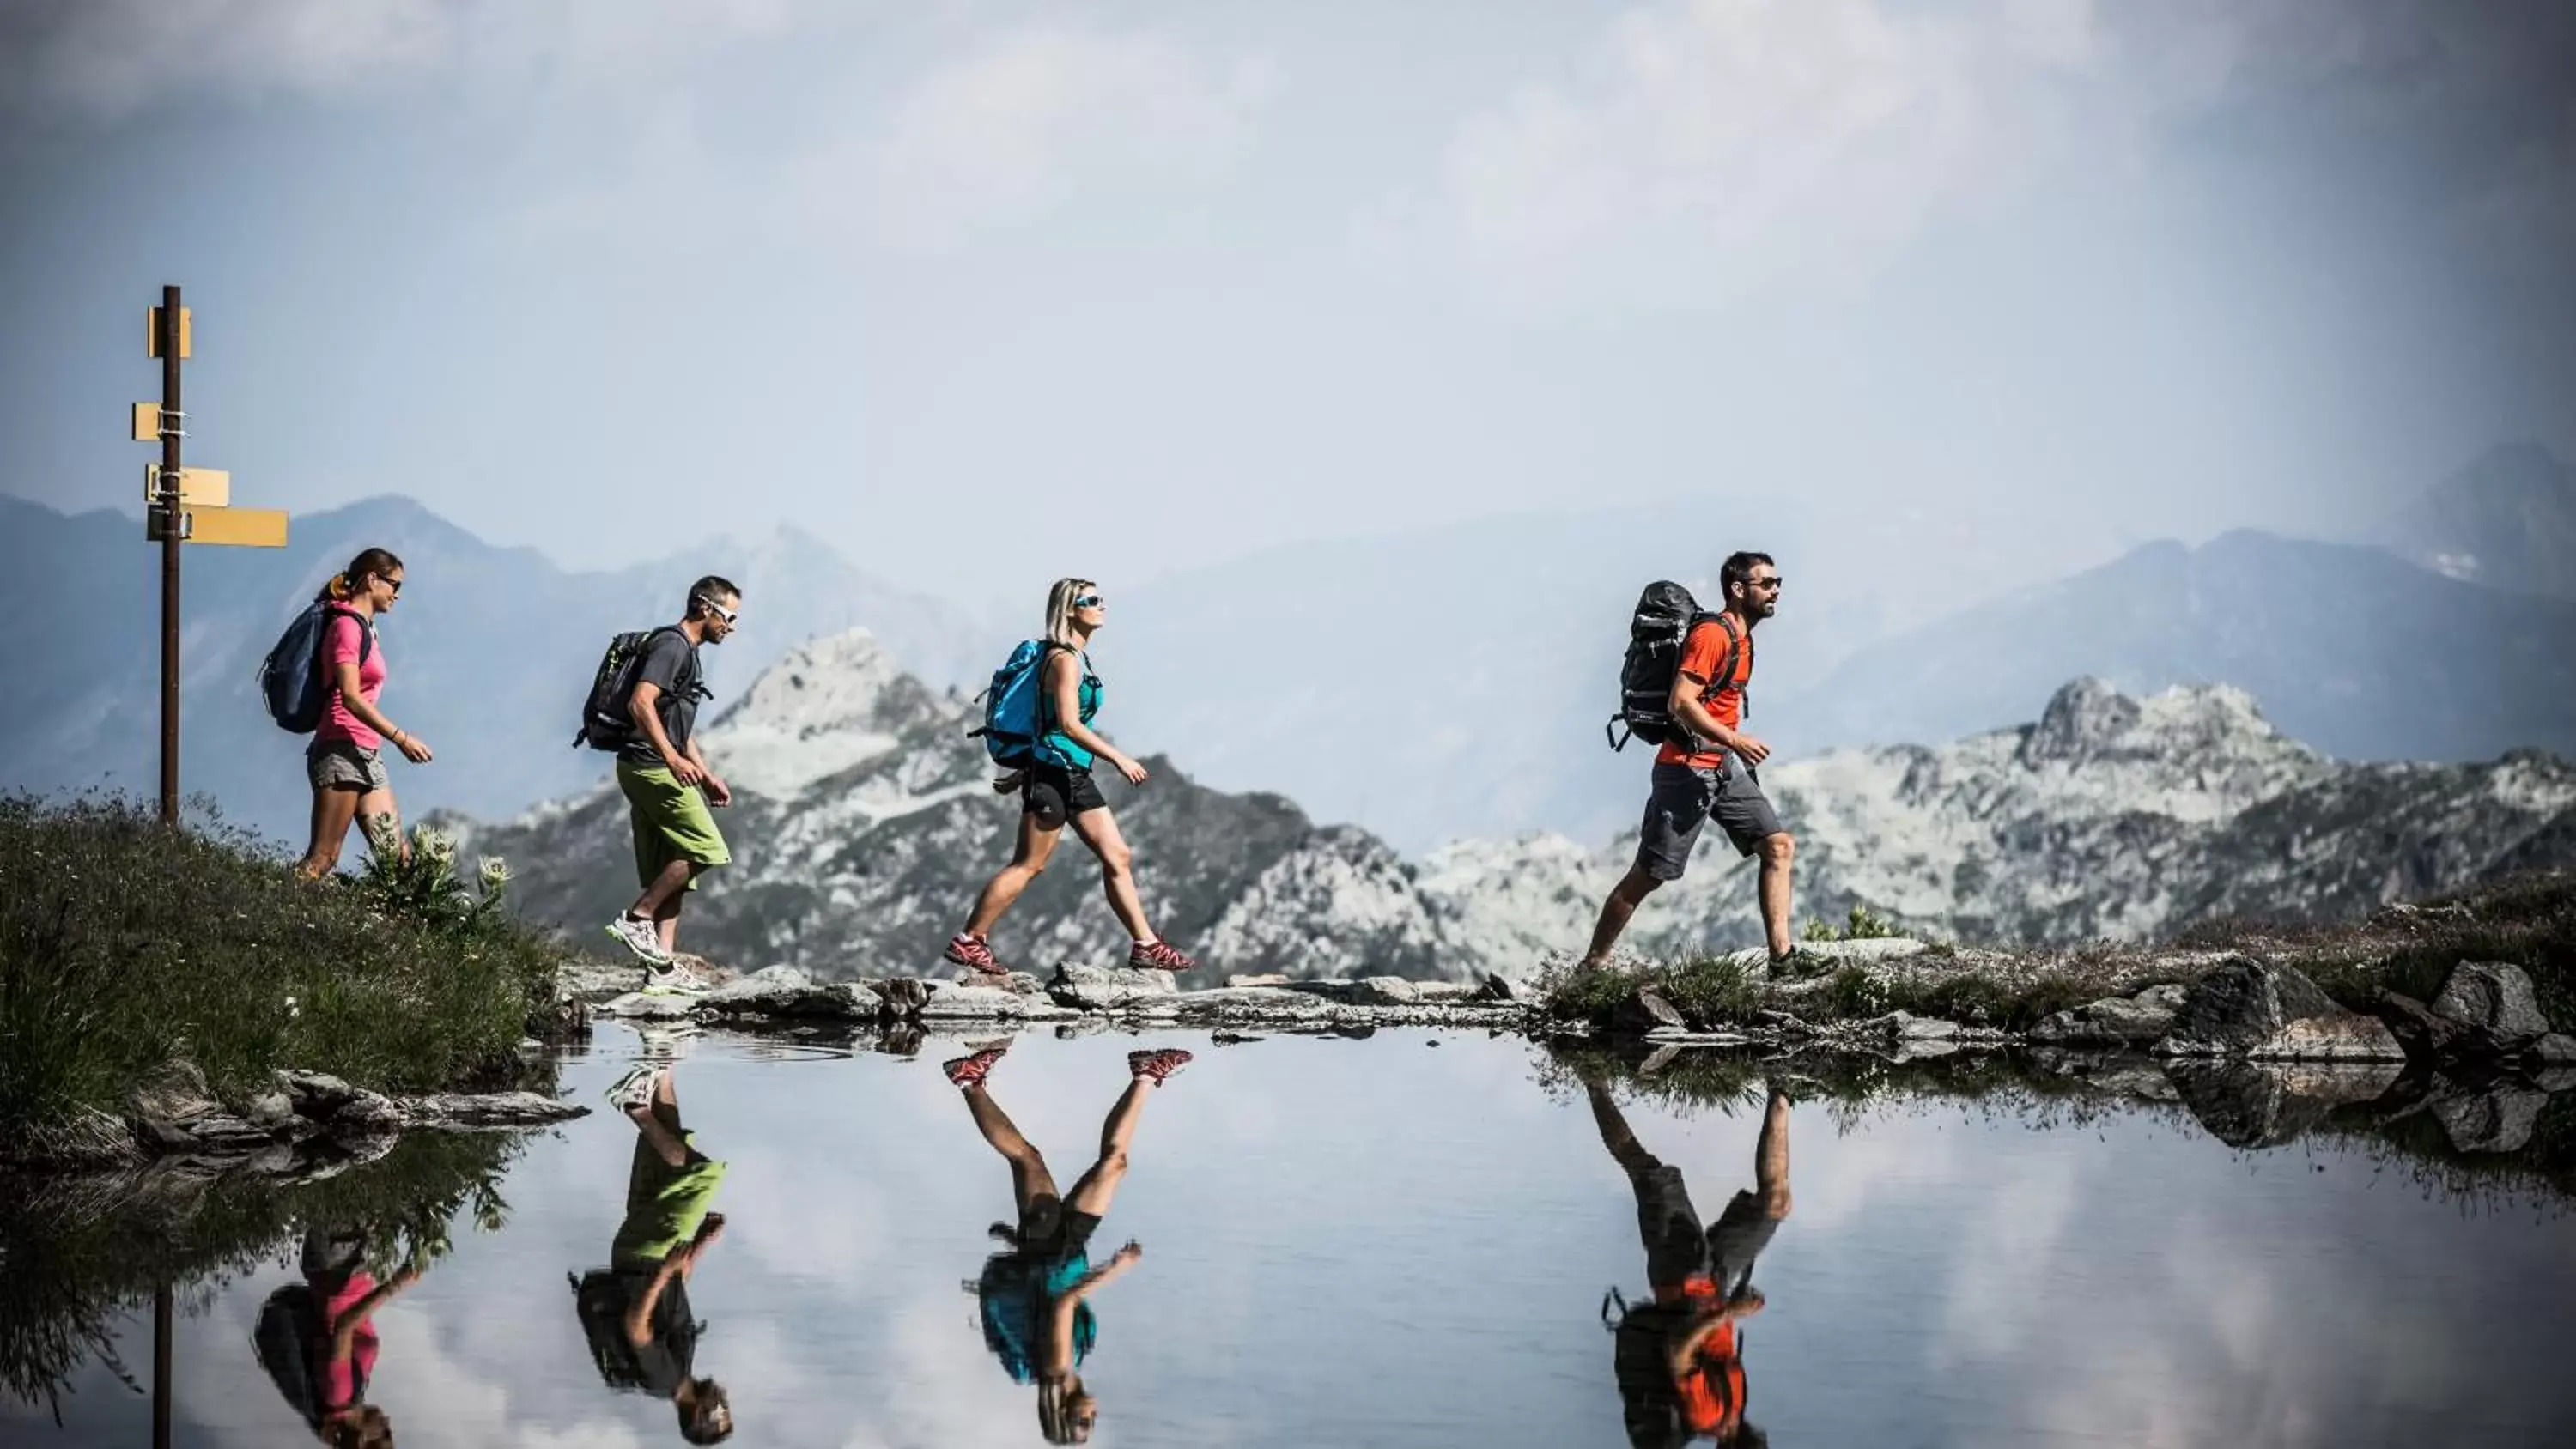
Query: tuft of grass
125	945
1862	925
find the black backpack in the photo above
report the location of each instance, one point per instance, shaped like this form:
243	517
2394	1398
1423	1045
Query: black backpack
1666	613
605	723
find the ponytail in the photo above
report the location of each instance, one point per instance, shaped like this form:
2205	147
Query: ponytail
344	584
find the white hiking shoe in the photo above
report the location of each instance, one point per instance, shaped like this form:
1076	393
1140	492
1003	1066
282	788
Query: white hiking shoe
635	1089
667	977
639	937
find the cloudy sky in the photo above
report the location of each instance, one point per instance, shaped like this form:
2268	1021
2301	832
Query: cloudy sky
969	286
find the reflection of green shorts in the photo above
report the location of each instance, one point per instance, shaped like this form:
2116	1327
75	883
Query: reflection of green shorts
664	1204
671	822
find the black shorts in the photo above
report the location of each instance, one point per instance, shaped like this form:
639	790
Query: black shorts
1055	794
1682	799
1678	1248
1052	1231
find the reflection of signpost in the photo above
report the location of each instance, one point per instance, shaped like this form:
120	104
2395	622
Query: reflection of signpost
186	505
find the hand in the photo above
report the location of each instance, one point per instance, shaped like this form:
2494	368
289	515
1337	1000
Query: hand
719	794
412	749
1750	750
684	769
407	1277
1129	1253
711	1229
1746	1303
1134	772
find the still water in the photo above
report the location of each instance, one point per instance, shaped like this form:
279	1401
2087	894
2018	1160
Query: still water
1384	1242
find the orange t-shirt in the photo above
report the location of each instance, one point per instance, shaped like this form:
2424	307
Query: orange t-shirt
1712	1394
1702	653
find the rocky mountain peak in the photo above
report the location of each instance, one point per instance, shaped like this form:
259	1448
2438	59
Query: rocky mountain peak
826	705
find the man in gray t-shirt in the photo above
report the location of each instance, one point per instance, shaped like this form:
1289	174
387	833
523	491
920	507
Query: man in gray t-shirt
669	785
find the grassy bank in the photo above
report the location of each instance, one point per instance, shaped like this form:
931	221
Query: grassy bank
2527	920
125	945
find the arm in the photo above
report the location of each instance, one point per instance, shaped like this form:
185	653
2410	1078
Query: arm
1063	686
718	792
344	678
344	1329
648	723
1084	1286
639	1319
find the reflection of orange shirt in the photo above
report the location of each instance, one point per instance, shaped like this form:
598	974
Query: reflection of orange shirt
1712	1398
1702	654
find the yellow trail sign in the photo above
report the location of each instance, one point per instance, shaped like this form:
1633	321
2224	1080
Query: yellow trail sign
237	527
198	487
152	342
147	422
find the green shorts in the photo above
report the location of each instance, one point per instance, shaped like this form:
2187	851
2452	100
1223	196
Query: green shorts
664	1204
671	822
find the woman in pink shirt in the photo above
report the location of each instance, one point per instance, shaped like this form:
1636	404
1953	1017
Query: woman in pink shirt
349	783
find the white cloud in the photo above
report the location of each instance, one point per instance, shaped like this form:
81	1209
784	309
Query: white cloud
1715	147
1032	119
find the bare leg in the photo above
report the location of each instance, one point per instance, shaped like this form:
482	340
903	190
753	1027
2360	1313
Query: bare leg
659	1121
1029	1178
660	902
1028	859
1099	830
1771	1158
1625	897
378	805
1777	851
1093	1192
1616	1134
334	809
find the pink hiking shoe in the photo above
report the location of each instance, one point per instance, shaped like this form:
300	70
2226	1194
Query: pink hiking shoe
1157	1064
973	954
970	1071
1158	957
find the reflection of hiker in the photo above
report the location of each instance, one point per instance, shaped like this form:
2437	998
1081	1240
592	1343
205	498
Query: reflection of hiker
667	781
635	1312
350	786
1708	767
317	1339
1034	1298
1038	727
1680	1356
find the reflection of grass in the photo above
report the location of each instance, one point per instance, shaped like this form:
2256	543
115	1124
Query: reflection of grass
124	944
83	1251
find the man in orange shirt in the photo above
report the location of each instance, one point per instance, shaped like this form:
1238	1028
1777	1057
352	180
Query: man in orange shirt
1710	771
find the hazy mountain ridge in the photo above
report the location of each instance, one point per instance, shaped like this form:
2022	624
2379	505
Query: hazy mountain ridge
2109	816
2508	520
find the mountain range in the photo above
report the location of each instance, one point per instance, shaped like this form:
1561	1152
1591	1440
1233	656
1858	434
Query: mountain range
864	825
1439	685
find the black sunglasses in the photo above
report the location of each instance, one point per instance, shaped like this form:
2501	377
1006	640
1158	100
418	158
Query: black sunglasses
1773	583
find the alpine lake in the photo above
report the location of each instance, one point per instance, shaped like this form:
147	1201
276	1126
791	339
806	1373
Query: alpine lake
1428	1237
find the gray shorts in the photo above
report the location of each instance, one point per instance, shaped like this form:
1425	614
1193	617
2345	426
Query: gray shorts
1683	799
342	765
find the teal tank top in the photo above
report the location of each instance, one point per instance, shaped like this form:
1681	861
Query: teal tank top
1054	746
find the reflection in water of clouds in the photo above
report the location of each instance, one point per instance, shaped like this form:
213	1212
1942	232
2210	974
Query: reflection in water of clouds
1350	1243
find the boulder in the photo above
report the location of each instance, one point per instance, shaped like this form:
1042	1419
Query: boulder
1251	1004
947	1002
1504	988
1266	978
1439	993
1382	991
646	1006
473	1110
784	991
1646	1010
1905	1026
903	996
2421	1034
2555	1050
2494	997
2266	1012
2114	1021
1107	988
2499	1119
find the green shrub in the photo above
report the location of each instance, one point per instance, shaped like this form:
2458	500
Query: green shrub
1862	925
125	944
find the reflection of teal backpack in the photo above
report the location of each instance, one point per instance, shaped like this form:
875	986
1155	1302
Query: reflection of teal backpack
1013	1293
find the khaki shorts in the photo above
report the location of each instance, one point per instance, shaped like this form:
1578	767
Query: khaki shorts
671	822
344	765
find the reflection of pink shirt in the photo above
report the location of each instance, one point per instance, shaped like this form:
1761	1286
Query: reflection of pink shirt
340	646
343	1379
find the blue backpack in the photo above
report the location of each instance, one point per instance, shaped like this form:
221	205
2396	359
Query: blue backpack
292	682
1013	707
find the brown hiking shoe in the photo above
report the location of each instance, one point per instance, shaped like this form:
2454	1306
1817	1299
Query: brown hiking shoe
1157	1064
970	1071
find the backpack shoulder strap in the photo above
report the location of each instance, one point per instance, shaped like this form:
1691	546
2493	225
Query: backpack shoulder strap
366	630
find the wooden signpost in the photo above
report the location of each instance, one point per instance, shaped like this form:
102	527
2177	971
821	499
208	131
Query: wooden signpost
185	505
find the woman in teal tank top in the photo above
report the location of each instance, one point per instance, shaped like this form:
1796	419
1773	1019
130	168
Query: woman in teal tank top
1058	789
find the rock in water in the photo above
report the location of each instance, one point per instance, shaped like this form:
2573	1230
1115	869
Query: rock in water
1102	988
2497	1120
2494	997
2255	1009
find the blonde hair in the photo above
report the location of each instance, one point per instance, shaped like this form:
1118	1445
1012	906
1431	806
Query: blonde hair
1059	618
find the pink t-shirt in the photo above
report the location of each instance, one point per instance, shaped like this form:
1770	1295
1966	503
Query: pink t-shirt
345	1379
340	646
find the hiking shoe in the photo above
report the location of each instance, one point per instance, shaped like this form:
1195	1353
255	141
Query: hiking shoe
970	1071
635	1089
1158	956
664	1042
1157	1064
973	954
669	978
640	938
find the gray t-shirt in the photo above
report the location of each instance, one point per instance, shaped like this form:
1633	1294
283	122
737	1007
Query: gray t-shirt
670	662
